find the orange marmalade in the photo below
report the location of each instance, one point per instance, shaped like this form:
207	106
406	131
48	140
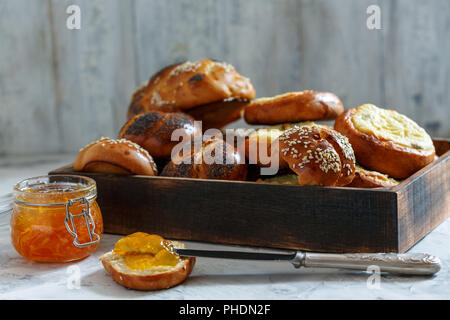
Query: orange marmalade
56	218
142	251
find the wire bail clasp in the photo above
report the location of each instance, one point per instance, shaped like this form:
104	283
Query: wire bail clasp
86	213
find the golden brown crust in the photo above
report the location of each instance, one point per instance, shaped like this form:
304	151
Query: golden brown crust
151	281
318	155
381	155
218	114
153	131
259	138
201	164
371	179
294	107
186	85
269	135
115	156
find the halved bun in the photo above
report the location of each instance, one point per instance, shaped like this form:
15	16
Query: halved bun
386	141
115	156
294	107
155	278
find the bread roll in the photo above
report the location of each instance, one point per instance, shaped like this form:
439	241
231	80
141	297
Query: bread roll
287	179
189	84
218	114
153	131
371	179
386	141
293	107
269	135
318	155
115	156
215	159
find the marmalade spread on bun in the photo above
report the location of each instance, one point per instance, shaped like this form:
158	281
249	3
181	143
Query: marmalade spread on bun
142	251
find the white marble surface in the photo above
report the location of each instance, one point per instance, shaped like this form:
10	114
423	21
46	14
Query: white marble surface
211	278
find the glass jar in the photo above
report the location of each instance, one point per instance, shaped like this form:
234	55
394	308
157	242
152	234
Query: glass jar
56	218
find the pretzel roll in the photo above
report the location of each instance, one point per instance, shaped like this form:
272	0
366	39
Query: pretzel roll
153	131
386	141
294	107
214	159
186	85
318	155
218	114
115	156
371	179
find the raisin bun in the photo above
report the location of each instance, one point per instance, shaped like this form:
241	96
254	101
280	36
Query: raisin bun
115	156
210	158
318	155
153	131
186	85
386	141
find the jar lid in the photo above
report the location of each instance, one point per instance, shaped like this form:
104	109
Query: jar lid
52	189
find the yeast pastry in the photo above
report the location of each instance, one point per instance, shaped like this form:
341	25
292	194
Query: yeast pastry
386	141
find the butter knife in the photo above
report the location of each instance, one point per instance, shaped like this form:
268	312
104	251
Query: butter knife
405	263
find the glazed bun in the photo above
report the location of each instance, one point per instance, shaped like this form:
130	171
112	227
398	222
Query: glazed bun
318	155
115	156
215	159
269	135
371	179
153	131
187	85
293	107
386	141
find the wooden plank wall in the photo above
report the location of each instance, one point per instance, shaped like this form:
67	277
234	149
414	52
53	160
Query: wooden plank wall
60	88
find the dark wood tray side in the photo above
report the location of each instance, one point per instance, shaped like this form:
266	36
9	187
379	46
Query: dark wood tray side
424	198
320	219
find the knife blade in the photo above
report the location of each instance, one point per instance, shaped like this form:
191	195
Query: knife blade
405	263
242	255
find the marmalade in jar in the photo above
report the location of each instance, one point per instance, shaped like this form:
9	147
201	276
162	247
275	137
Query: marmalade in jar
39	228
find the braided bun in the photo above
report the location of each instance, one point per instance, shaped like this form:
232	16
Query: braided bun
153	131
318	155
186	85
205	163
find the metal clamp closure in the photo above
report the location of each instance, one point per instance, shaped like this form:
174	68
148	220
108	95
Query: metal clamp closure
86	213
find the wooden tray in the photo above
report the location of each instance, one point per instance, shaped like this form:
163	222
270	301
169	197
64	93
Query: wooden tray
326	219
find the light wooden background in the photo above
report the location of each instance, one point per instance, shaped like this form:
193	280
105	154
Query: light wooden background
60	88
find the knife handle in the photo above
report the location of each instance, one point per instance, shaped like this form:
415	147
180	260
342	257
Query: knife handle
405	263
